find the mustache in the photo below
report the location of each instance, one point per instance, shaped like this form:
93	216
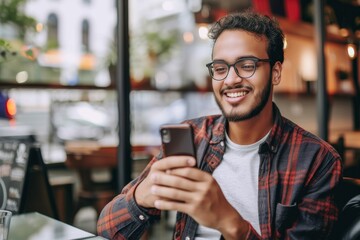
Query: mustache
240	86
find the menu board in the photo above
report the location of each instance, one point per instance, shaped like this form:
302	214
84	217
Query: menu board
13	166
37	194
24	183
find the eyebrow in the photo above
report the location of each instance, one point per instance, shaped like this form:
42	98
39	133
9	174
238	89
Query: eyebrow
237	59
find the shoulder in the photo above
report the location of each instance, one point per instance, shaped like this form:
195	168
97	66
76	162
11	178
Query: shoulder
308	141
310	153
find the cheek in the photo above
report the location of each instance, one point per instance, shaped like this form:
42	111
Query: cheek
216	86
261	80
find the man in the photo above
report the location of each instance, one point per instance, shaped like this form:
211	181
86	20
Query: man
261	176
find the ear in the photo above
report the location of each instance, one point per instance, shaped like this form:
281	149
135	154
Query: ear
276	73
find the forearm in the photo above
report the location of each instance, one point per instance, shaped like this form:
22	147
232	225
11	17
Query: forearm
121	218
237	228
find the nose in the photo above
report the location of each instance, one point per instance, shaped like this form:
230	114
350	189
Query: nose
232	77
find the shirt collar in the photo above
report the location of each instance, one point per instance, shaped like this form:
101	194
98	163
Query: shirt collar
273	140
218	131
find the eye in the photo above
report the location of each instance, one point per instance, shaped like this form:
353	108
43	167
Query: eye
219	68
245	65
248	67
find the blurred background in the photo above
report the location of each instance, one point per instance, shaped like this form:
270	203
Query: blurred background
58	69
58	64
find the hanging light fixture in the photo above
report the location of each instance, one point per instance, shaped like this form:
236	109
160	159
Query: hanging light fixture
351	50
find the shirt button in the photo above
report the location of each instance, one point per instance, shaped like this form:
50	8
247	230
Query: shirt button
222	143
187	238
273	148
141	217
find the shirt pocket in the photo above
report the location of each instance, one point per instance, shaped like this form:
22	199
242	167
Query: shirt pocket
285	216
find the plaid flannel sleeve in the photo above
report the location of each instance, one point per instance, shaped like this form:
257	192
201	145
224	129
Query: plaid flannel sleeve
122	218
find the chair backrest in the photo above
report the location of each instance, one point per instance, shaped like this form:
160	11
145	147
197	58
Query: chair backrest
103	157
349	220
348	188
86	158
348	201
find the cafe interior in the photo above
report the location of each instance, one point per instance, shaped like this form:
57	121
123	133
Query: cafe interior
86	84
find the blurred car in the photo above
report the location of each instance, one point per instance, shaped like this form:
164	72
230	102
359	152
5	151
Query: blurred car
81	121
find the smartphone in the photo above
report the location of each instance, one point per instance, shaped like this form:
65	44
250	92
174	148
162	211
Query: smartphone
177	139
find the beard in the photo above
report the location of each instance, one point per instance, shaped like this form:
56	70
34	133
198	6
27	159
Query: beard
233	116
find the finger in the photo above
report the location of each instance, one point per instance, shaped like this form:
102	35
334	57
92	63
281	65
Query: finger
163	204
171	193
174	162
193	174
173	181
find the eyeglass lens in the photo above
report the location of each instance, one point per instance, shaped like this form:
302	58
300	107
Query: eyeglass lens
244	68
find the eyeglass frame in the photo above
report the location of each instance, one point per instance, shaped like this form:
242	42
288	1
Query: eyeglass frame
255	59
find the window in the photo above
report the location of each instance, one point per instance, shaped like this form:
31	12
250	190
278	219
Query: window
52	34
85	26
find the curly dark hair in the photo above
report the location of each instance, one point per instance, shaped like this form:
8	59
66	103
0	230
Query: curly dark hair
260	25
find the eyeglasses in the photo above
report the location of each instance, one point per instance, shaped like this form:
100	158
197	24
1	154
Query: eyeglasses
244	67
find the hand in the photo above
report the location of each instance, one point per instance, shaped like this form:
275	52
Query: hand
143	195
196	193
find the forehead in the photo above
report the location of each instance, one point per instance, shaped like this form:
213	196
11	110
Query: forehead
233	44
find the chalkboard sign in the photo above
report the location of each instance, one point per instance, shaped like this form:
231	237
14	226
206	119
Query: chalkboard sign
37	193
24	184
13	165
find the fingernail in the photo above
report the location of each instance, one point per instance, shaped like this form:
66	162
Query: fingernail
154	177
191	161
157	204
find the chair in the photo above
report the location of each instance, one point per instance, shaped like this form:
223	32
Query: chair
349	220
86	159
348	201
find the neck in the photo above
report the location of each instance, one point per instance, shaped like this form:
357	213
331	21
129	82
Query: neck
252	130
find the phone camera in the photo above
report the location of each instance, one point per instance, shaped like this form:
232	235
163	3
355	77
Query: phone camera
166	138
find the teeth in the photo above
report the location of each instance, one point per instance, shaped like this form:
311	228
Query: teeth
236	94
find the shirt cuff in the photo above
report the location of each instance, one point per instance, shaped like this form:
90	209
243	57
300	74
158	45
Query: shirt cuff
141	214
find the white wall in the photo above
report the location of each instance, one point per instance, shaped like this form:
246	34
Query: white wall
101	15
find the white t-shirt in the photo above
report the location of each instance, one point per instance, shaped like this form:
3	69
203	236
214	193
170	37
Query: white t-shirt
237	176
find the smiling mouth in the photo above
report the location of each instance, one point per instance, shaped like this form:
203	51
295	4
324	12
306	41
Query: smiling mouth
236	94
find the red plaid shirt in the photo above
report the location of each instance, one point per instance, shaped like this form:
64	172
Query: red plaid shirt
297	177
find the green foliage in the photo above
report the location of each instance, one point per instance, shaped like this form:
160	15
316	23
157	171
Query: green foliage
159	43
4	45
5	50
11	13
